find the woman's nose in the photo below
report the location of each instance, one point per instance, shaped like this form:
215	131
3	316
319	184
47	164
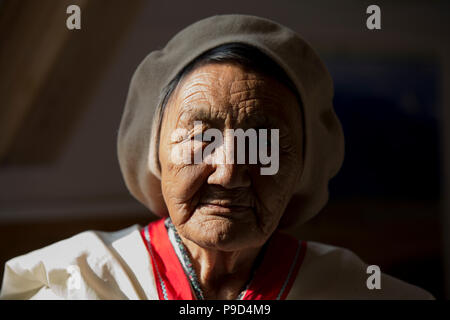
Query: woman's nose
230	176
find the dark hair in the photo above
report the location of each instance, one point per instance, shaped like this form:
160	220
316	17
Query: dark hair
240	53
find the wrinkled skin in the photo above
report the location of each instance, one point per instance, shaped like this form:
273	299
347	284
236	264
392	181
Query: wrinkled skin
224	213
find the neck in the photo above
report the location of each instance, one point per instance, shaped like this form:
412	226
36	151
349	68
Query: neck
221	274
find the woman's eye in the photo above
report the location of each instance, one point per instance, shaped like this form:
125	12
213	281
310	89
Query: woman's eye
197	137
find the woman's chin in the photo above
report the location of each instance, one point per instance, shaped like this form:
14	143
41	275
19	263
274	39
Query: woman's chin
223	232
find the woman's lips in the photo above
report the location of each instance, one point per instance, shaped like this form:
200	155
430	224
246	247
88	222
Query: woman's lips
227	209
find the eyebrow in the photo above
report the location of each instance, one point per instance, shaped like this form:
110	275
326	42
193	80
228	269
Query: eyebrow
194	112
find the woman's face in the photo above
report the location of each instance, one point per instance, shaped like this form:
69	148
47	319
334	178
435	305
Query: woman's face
218	204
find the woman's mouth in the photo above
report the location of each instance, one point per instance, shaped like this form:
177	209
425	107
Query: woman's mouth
223	208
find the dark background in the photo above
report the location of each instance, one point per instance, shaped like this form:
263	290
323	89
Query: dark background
62	93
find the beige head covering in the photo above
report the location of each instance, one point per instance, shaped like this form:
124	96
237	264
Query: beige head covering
139	129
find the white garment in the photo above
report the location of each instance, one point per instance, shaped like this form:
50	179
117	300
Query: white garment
116	265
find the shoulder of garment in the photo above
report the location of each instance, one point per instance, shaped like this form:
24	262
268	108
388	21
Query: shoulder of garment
330	272
89	265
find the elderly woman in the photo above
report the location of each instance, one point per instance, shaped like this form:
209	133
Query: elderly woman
223	213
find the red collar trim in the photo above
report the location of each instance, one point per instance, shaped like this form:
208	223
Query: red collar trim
171	281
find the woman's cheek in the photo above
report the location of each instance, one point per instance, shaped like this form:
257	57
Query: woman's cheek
183	180
274	190
182	183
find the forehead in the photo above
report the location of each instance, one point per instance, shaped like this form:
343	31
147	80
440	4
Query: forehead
230	91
